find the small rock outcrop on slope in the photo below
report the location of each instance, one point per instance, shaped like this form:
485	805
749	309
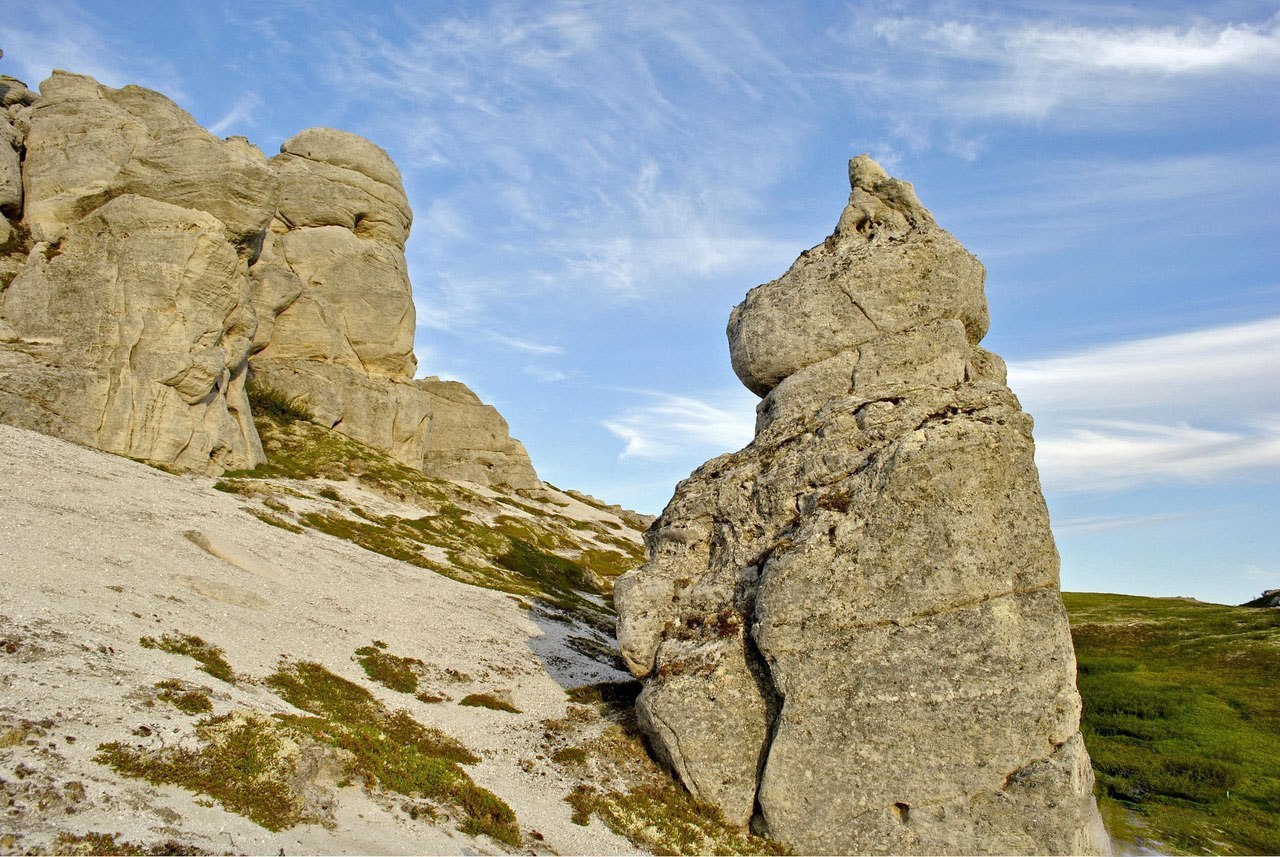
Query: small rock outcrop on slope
144	262
851	632
1269	598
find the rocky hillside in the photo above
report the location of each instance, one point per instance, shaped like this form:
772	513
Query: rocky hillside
149	270
850	632
287	659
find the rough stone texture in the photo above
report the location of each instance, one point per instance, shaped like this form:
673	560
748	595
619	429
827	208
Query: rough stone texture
851	632
89	143
336	317
143	260
131	336
438	426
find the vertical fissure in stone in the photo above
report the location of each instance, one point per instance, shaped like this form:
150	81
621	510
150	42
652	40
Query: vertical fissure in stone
773	700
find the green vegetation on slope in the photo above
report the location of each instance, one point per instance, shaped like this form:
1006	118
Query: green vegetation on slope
566	565
1182	720
252	763
600	744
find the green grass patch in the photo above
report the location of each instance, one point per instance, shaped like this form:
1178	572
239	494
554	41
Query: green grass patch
1181	717
188	701
212	659
487	700
391	671
391	750
244	762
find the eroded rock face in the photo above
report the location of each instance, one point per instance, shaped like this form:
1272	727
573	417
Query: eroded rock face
336	317
125	320
131	335
144	260
851	632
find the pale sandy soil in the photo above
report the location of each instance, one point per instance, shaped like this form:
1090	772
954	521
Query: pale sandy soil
97	551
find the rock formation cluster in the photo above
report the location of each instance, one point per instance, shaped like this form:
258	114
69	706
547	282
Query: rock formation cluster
850	632
147	268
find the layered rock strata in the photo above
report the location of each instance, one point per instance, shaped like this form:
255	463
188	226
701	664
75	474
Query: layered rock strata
850	632
144	261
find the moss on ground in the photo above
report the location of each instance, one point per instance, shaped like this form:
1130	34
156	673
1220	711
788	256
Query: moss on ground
487	700
391	750
390	671
185	699
599	743
212	659
110	844
245	762
1181	713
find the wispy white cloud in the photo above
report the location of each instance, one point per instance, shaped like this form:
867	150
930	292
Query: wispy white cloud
947	74
1104	523
1198	406
1254	572
525	345
545	374
238	115
669	425
619	150
1114	455
59	34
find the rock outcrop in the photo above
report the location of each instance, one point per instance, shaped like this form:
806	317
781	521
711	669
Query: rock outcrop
1269	598
128	323
336	317
144	262
851	632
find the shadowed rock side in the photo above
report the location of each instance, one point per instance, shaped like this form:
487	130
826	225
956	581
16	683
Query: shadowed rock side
143	261
851	632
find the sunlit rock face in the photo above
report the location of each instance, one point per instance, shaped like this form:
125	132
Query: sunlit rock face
850	632
148	268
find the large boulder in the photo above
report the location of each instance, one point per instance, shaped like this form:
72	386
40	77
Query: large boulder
336	317
131	335
143	260
88	143
850	632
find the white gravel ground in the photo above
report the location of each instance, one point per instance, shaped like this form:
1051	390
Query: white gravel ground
97	551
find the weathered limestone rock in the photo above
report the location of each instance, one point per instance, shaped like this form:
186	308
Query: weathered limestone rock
850	632
336	317
143	260
131	335
1268	598
440	427
89	143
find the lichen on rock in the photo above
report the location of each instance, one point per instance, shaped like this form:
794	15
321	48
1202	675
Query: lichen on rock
850	631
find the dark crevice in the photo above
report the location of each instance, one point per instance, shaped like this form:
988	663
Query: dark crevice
758	665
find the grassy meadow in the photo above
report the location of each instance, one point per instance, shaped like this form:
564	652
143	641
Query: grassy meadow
1182	719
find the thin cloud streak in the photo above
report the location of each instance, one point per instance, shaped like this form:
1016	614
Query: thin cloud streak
950	78
1192	407
678	425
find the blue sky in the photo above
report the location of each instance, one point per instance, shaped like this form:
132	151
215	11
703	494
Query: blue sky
596	184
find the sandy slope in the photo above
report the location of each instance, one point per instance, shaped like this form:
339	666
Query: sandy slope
97	551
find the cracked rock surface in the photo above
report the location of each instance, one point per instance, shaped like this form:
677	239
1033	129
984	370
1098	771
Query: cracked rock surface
147	268
851	632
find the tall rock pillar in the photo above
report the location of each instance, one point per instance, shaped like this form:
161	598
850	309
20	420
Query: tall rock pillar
851	632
